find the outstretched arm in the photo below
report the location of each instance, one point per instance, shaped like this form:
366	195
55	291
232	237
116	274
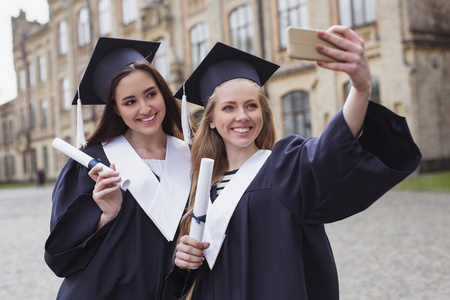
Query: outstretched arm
354	62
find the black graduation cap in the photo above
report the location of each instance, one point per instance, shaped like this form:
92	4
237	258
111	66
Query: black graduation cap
109	56
221	64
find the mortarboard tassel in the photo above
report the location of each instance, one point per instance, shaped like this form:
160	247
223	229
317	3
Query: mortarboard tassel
185	119
81	140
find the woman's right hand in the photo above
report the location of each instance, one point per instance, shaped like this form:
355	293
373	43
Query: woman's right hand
189	253
106	193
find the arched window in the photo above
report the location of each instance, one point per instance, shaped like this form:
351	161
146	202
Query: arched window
291	13
42	68
129	11
104	16
241	28
199	43
84	33
297	114
198	115
374	96
63	38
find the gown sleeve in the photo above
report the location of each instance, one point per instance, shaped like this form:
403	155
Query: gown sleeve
179	281
73	238
331	177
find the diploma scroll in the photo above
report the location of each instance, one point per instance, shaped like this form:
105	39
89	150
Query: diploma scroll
201	199
84	159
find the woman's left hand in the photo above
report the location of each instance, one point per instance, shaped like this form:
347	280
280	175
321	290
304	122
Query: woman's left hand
351	54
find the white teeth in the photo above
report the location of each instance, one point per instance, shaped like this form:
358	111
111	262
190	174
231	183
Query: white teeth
149	118
241	130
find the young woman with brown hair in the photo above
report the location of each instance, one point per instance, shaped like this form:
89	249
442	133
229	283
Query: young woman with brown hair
109	243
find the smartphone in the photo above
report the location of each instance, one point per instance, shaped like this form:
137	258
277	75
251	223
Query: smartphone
301	44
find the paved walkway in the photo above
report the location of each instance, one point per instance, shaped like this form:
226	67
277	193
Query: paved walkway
24	226
397	249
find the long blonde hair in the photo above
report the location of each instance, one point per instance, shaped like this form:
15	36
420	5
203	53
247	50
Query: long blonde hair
208	143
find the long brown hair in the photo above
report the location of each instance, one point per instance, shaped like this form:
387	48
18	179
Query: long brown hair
112	125
208	143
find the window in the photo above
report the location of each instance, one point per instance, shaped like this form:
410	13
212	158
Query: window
198	115
161	61
9	165
241	27
24	159
23	114
5	164
291	13
129	10
199	43
104	15
347	88
374	96
42	68
84	33
45	158
13	165
33	160
357	12
63	38
12	135
5	133
297	114
44	113
32	74
65	92
33	115
22	80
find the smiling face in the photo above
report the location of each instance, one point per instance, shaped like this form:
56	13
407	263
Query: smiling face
237	115
140	104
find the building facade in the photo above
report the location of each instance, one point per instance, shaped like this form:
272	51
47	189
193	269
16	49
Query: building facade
407	43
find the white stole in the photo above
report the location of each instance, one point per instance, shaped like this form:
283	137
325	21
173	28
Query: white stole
220	212
163	201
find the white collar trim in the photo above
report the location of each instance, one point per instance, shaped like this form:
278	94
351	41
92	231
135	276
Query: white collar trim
220	212
163	201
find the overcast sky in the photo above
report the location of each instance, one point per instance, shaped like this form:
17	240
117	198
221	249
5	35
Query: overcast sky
36	10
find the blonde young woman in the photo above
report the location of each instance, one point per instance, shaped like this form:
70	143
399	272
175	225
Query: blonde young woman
264	232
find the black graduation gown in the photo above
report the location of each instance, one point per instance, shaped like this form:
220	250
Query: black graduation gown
128	258
276	246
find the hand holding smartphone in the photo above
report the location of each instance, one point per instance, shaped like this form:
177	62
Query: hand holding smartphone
301	44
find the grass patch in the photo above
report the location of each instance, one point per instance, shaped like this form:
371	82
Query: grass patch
436	181
21	184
